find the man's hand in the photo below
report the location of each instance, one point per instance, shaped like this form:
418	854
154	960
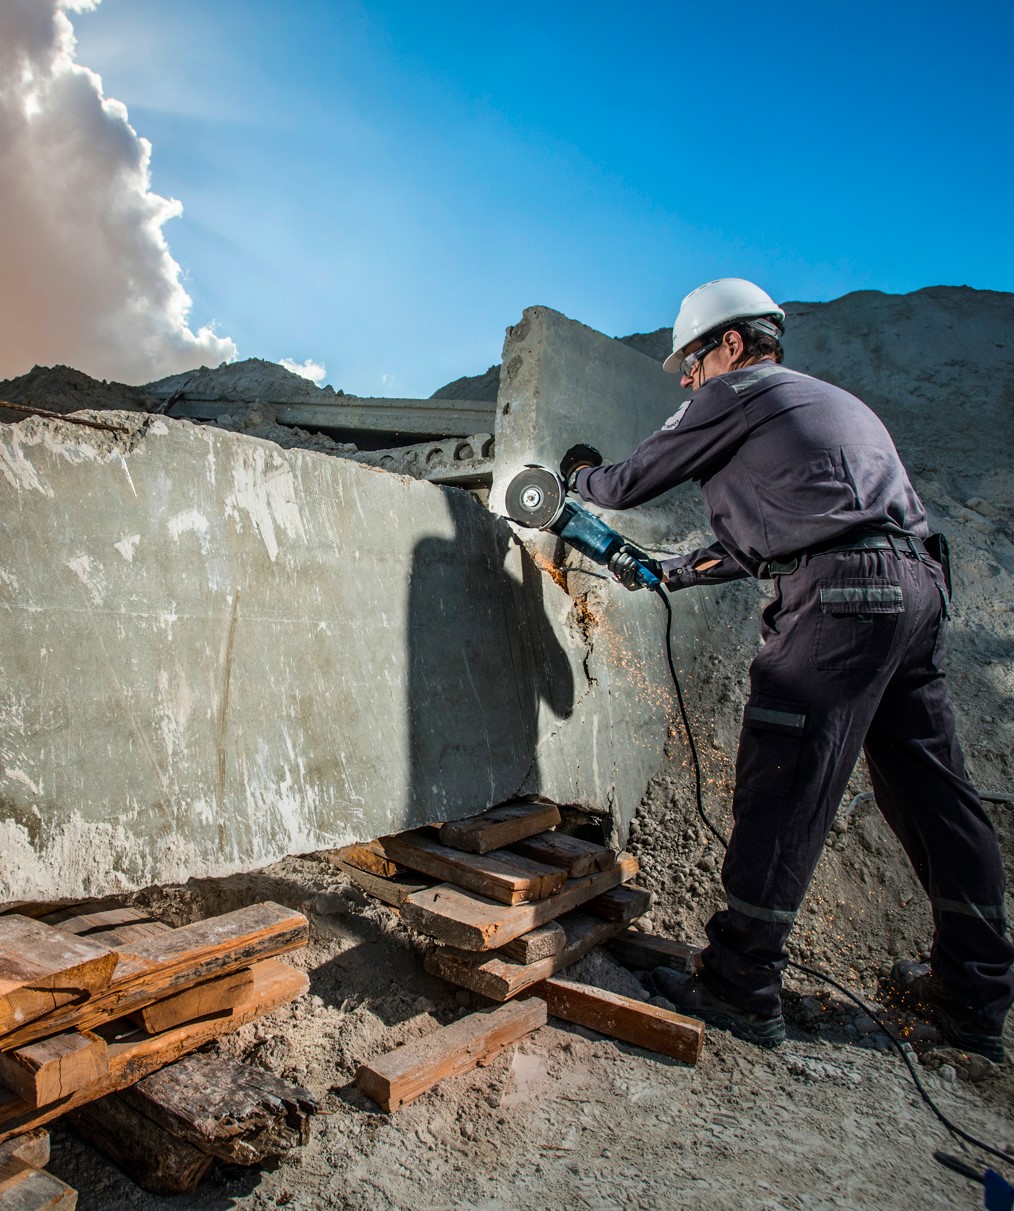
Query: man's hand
577	457
624	563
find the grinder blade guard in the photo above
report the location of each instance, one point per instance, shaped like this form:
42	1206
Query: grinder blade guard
537	498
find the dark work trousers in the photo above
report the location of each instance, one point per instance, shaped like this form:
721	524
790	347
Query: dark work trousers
852	658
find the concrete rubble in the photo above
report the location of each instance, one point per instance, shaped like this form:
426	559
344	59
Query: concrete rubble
217	651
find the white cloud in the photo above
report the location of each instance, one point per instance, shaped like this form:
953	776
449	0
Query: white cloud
316	372
89	279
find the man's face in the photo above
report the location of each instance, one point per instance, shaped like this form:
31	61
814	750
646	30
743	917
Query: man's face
720	355
696	378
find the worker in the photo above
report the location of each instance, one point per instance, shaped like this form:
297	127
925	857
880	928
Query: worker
803	485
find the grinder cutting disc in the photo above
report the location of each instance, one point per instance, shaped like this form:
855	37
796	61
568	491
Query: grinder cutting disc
535	497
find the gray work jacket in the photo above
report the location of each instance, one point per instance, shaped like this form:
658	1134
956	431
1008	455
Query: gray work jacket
785	462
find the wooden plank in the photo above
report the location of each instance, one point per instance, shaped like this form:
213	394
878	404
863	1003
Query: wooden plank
499	826
91	919
239	1113
617	905
502	876
42	968
575	855
369	857
116	927
404	1074
54	1067
152	1157
30	1149
645	951
472	922
23	1188
393	891
624	1018
138	1054
176	959
500	979
540	943
213	996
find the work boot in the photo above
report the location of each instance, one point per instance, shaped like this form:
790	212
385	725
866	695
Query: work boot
693	997
921	992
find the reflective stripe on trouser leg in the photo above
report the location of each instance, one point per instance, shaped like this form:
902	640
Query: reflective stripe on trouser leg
984	912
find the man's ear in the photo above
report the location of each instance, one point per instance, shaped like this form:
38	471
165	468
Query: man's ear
734	344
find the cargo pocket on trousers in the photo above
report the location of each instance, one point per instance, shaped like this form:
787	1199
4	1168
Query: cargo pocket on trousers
769	747
856	624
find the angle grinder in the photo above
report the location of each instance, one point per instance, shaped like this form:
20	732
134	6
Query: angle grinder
537	498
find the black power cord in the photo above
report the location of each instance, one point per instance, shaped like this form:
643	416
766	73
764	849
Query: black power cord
961	1136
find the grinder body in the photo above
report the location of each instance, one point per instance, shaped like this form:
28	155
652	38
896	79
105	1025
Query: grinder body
536	497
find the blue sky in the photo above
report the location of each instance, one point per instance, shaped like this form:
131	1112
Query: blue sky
383	186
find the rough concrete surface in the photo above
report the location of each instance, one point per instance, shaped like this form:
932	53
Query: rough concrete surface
218	652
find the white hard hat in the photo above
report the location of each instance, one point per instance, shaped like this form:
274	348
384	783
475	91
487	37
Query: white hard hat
713	304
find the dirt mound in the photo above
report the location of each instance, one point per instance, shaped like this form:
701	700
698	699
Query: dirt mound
477	386
250	381
63	389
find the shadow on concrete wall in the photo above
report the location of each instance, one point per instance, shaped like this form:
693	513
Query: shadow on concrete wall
482	656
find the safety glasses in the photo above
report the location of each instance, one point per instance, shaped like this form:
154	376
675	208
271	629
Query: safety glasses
692	360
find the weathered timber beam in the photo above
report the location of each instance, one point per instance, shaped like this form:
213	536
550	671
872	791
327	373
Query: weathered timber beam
407	1072
167	962
472	922
500	979
623	1018
239	1113
499	826
43	968
502	876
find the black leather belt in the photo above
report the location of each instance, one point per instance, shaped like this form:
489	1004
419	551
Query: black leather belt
900	544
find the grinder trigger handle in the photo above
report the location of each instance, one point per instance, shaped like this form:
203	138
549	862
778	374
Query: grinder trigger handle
625	565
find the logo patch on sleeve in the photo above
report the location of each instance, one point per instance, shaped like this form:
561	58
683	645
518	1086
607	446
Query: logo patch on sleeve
675	419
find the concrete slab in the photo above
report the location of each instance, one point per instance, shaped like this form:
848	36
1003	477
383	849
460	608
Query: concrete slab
410	420
215	652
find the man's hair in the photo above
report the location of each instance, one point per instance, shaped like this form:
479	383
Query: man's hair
761	338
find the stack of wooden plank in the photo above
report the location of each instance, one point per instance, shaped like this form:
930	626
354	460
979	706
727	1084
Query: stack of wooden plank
510	902
91	1002
24	1183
